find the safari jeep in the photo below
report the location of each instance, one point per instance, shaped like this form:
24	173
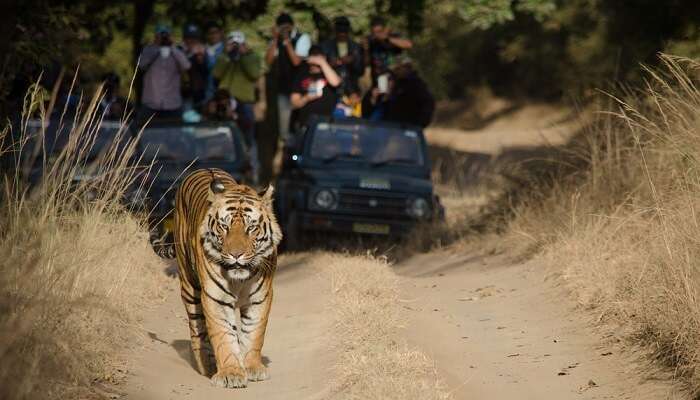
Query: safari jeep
355	176
171	150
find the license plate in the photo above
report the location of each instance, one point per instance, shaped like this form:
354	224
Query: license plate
376	229
375	183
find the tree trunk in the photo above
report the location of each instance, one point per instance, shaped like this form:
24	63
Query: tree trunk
143	11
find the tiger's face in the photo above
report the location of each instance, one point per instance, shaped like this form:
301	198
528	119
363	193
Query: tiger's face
240	231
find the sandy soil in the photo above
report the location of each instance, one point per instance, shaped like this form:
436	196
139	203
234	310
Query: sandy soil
526	127
503	330
298	361
495	329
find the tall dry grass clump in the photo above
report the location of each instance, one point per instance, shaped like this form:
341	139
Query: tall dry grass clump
373	363
626	230
75	266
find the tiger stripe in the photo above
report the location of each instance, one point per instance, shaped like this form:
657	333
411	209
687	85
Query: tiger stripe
226	250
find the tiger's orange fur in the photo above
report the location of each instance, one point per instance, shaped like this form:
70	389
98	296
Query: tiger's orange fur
226	249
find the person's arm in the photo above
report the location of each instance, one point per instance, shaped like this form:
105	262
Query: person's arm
299	100
271	53
291	52
328	71
401	43
148	56
181	59
250	65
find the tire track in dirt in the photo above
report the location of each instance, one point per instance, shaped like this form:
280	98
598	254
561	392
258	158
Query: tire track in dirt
503	330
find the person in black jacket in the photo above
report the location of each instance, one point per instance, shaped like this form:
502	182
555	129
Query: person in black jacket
197	77
410	101
344	55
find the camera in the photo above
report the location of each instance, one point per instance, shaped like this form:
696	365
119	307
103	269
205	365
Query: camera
285	32
165	39
235	52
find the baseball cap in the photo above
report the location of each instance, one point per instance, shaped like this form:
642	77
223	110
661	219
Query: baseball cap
190	31
236	37
342	24
284	18
162	28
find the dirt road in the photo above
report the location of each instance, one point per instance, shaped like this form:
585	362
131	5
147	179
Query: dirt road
496	330
298	361
503	330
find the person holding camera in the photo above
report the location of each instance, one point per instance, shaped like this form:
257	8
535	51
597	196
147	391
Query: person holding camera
314	91
285	54
162	63
195	85
382	46
345	55
410	100
237	71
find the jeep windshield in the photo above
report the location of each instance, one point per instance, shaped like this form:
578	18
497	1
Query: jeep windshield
374	144
186	143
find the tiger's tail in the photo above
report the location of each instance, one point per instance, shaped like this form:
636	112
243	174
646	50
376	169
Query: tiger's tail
163	245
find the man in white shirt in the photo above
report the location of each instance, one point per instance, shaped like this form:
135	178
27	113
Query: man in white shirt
287	50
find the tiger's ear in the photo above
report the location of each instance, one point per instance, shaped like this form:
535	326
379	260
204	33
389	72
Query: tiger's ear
267	195
215	188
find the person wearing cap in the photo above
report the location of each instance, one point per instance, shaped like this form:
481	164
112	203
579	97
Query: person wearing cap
237	70
314	91
382	46
344	54
410	100
162	63
285	54
195	85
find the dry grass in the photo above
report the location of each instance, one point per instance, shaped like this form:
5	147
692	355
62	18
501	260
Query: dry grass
373	362
625	230
75	273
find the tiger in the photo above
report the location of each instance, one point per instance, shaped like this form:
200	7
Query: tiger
226	238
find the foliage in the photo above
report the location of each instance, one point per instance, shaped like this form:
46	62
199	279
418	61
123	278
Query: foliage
541	48
549	48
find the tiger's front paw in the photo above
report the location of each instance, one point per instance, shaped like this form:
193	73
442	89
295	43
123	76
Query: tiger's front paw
257	372
231	377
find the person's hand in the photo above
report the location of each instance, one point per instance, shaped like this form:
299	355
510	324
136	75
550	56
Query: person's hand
364	43
382	34
317	60
311	97
275	33
198	49
243	48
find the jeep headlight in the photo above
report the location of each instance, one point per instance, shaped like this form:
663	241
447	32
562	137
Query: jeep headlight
324	199
418	208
